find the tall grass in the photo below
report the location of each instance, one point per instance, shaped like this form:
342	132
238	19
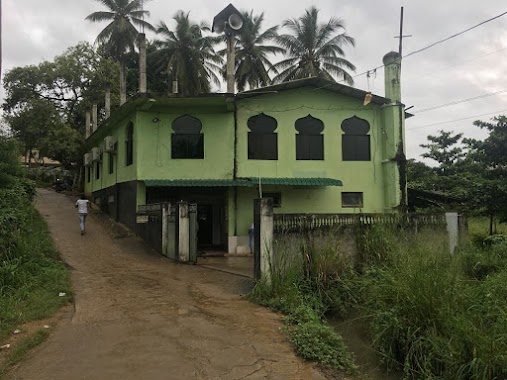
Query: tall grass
307	282
31	273
433	315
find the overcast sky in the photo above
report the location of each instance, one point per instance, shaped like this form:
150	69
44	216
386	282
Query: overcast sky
470	65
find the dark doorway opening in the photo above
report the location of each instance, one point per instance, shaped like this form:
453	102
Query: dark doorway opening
205	225
212	233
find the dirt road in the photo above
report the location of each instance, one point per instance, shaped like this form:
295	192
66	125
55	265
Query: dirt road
139	316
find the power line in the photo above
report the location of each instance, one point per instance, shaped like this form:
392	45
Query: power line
459	101
454	121
425	48
455	35
438	70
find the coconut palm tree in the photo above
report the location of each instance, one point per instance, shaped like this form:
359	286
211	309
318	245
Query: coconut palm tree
188	55
252	62
120	35
314	49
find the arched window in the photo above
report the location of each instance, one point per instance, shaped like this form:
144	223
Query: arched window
129	145
187	141
309	140
355	140
262	138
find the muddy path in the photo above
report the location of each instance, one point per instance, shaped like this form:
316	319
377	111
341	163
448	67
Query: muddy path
139	316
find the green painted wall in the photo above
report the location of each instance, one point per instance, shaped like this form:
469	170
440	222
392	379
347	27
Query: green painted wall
154	147
121	173
377	179
332	109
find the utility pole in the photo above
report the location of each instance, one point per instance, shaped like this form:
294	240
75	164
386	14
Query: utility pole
400	36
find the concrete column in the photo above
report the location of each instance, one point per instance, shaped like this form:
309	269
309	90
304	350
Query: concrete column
123	84
393	140
95	117
266	238
107	101
392	76
463	228
142	64
88	123
451	219
184	233
231	58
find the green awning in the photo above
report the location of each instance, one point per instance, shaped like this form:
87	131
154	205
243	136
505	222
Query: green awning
248	182
196	183
297	181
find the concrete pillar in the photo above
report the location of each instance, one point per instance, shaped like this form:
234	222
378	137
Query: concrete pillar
451	219
142	64
184	233
88	124
393	136
392	76
165	224
95	117
123	84
231	64
266	238
107	101
463	228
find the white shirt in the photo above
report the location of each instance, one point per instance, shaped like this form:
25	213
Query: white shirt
82	206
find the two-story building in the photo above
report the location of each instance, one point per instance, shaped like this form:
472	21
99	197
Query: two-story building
312	145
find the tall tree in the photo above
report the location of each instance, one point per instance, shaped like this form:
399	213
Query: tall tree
188	55
79	73
314	49
444	149
252	49
120	35
489	192
33	123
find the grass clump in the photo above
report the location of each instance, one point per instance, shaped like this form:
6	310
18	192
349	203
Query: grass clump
22	348
433	315
308	281
31	272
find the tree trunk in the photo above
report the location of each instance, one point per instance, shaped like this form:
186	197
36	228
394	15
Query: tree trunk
123	84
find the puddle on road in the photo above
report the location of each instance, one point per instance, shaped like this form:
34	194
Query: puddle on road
354	333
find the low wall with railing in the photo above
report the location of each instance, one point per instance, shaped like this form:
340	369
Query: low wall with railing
286	223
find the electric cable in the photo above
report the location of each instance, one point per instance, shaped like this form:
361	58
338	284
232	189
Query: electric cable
454	121
459	102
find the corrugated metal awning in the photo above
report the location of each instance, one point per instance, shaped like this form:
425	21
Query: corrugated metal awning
247	182
196	183
297	181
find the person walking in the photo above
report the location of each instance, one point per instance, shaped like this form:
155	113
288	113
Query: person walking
82	210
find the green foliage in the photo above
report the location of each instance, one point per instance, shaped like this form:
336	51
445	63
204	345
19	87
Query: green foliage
308	281
444	149
318	342
314	49
122	16
22	348
471	170
252	50
433	315
31	273
188	54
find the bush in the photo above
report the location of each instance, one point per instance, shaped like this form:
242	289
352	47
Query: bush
308	281
437	316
